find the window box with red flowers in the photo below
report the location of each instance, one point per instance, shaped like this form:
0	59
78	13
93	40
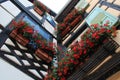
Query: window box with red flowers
45	50
64	32
40	8
77	20
80	51
43	55
20	29
70	16
71	20
19	38
40	12
27	36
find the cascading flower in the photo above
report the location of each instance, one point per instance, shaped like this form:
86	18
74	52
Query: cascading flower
35	40
69	22
80	51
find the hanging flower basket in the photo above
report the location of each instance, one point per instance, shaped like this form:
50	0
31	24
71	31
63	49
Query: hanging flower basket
43	55
19	38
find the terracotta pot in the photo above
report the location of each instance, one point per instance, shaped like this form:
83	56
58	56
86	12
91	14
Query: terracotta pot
40	12
19	38
43	55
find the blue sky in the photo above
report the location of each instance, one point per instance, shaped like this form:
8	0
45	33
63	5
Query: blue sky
55	5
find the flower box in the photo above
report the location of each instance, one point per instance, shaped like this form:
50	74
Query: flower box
76	21
43	55
70	16
19	38
26	35
71	20
65	32
40	12
40	8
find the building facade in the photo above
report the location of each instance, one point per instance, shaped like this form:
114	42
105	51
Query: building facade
94	12
51	37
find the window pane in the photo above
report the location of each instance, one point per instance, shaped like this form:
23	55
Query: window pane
40	30
50	20
81	4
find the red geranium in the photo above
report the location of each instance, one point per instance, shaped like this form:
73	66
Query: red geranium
79	50
63	78
28	29
76	56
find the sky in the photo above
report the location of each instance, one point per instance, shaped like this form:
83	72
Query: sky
55	5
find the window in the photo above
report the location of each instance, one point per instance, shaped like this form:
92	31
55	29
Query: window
50	20
81	4
40	30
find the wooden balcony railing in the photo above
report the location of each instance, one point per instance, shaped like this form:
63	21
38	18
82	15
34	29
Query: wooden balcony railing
104	51
103	70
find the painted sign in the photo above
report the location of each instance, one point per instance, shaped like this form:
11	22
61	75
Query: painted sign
98	15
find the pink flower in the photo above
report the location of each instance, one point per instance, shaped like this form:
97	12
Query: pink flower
106	24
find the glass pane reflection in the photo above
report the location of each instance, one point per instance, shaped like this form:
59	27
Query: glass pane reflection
40	30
